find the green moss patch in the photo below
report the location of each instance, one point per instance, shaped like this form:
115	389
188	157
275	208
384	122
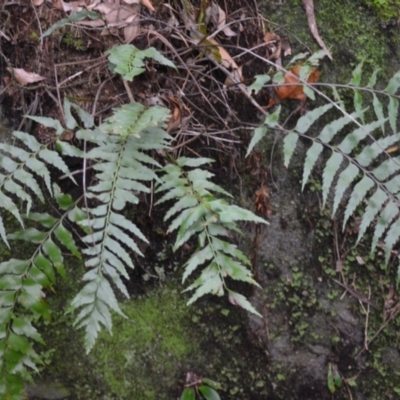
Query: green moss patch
143	356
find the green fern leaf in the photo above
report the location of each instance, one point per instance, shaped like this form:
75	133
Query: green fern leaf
378	108
188	201
129	60
375	204
184	235
391	239
241	301
122	171
69	119
353	139
3	232
9	205
357	74
358	194
65	237
120	220
86	118
371	152
386	217
229	249
345	179
304	123
15	189
289	145
257	85
27	179
330	170
259	133
311	158
233	268
209	282
199	213
234	213
198	258
393	185
46	267
27	140
387	169
393	110
358	104
393	84
372	79
332	128
48	123
271	121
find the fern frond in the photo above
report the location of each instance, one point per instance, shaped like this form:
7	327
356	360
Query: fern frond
24	169
365	171
198	213
22	296
123	169
129	60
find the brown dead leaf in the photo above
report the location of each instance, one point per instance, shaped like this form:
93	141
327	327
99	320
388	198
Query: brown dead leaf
25	78
215	13
132	30
295	91
235	77
148	5
179	115
276	47
226	60
38	3
67	136
262	202
73	5
392	149
175	120
309	7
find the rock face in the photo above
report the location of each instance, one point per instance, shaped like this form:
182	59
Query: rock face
43	390
302	329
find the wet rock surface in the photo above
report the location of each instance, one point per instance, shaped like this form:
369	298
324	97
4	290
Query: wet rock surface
302	328
45	390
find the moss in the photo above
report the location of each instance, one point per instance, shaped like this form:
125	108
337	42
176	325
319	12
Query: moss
388	11
351	30
141	359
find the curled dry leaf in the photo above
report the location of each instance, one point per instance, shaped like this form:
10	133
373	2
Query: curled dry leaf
235	77
295	91
132	30
215	13
73	5
273	45
262	202
38	3
25	78
146	3
179	115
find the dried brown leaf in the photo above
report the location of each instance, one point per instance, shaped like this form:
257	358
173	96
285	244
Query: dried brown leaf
132	30
73	6
226	60
25	78
148	5
215	13
235	77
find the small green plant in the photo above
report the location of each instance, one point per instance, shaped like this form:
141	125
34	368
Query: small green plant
200	388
